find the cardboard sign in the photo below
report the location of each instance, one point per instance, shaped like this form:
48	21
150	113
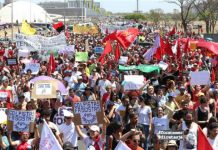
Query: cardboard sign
5	95
59	117
133	82
87	113
98	50
44	89
81	56
193	45
21	121
11	61
200	78
34	67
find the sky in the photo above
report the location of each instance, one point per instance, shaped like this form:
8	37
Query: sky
128	5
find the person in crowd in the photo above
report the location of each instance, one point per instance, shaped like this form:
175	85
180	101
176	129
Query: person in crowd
202	113
145	118
181	97
159	123
213	131
190	129
115	136
24	142
88	95
179	115
95	140
211	120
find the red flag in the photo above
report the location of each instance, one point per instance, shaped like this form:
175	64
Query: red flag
187	47
117	52
58	26
168	49
127	37
107	50
160	50
111	37
173	31
51	64
203	143
178	53
213	76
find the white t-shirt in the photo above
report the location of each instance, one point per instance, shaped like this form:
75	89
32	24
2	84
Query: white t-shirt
143	113
191	138
213	142
69	133
160	123
102	85
89	143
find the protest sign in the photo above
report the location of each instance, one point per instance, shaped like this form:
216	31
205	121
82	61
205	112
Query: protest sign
87	113
193	45
11	61
38	42
123	59
200	78
44	89
122	146
81	56
98	50
21	121
70	50
59	117
5	95
133	82
84	29
3	118
34	67
163	65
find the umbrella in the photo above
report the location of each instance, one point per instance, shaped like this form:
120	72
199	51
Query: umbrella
61	86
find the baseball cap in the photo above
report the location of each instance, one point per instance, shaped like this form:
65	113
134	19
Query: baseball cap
95	128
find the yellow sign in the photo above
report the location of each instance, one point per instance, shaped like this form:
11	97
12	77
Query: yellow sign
193	46
83	29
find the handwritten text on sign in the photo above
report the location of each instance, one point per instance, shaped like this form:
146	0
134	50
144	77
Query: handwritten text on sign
21	119
59	117
87	111
43	89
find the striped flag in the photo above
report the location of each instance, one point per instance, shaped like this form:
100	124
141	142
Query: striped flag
149	54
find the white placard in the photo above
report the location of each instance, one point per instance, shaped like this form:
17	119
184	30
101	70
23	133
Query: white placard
34	67
87	111
21	119
200	78
44	89
123	60
163	65
133	82
38	42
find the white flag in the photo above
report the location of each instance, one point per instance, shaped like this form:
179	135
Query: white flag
48	140
122	146
174	48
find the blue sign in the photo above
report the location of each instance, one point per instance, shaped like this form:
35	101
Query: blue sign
98	50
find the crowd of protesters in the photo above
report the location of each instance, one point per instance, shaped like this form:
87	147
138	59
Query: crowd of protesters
167	101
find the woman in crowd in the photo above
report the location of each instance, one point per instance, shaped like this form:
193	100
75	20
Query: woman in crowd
159	123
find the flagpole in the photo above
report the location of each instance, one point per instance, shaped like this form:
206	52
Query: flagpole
12	25
30	12
64	12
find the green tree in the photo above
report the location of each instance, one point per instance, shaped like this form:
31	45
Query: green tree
134	16
156	15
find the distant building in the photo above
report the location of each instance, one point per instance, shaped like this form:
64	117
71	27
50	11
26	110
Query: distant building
73	9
